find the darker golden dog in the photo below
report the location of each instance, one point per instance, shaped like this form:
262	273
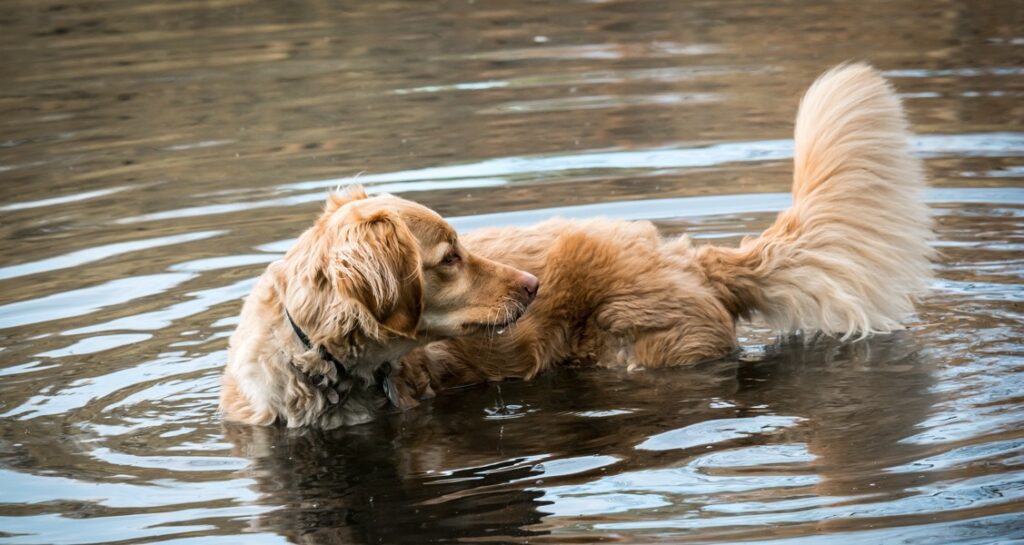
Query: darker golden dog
848	258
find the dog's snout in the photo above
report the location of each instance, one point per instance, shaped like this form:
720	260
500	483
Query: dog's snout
530	285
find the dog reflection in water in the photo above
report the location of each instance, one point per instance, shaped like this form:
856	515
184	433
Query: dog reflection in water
459	470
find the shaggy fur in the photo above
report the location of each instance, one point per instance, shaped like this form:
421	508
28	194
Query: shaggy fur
372	279
849	258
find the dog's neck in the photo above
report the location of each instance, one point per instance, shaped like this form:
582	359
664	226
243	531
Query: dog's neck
360	360
346	337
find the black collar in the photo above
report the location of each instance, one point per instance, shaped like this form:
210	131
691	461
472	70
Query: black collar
317	380
324	353
321	382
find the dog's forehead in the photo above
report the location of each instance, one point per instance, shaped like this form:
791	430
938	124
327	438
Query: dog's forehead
425	224
430	230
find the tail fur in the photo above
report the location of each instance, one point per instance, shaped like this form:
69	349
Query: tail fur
852	253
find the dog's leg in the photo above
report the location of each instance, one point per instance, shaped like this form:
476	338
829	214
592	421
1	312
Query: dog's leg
679	346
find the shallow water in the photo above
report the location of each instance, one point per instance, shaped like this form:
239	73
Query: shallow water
155	156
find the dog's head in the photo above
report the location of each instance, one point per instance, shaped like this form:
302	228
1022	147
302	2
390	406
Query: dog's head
401	264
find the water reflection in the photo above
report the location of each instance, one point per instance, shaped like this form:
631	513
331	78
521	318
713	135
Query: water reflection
784	442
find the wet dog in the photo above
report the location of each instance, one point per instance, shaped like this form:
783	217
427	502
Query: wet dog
848	258
373	278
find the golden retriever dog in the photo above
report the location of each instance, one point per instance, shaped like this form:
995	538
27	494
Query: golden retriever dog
848	258
373	278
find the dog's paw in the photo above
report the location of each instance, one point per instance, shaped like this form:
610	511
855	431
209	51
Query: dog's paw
316	370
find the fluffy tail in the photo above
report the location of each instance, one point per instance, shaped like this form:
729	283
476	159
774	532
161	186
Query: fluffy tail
852	253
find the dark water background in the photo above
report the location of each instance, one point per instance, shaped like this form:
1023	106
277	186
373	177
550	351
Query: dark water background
155	156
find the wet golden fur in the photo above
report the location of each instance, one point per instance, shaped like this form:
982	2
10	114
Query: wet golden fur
848	258
373	278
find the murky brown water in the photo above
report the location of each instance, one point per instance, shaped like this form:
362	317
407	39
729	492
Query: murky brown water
155	156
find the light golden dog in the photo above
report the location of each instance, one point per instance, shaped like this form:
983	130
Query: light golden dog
849	258
373	278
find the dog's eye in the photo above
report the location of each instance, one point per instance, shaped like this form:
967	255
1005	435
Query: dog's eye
451	258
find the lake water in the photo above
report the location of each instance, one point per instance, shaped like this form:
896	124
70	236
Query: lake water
155	156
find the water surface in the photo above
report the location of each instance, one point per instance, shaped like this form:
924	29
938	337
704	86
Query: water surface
155	156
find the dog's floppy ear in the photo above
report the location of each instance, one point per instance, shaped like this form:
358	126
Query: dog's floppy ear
376	261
